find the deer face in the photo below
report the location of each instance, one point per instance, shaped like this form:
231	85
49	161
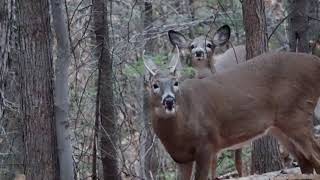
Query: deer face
201	48
163	90
164	86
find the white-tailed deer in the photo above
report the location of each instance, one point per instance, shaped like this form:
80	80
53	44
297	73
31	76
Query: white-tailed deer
202	49
203	60
273	93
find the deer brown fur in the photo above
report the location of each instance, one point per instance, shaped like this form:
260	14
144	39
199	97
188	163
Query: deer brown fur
201	50
273	93
230	58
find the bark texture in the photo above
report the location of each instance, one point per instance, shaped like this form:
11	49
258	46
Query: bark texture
36	88
105	108
61	97
11	147
265	153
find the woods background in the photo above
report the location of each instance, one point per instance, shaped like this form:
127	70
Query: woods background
73	103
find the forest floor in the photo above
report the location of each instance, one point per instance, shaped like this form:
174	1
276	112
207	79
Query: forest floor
288	174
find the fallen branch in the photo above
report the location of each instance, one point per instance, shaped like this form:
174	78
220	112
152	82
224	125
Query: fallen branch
288	174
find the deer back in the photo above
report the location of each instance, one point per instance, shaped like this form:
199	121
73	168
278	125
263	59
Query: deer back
230	58
255	90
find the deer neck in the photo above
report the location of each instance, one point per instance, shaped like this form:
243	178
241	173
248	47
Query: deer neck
165	126
171	131
203	72
168	126
203	68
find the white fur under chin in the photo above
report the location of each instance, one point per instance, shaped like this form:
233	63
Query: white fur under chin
159	112
173	111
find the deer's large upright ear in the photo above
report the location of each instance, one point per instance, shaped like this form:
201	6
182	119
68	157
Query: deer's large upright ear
177	39
149	65
175	63
222	35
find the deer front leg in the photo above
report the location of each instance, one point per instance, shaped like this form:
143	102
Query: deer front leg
185	171
203	164
238	161
213	166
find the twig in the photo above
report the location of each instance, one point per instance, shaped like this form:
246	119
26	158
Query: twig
278	25
131	14
313	18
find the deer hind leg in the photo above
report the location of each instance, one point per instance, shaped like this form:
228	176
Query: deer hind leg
238	161
306	144
298	128
316	154
185	171
305	165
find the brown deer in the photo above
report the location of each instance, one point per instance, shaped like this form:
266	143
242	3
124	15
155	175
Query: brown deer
202	49
203	60
274	93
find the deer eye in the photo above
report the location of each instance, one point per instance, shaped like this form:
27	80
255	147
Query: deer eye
209	46
155	86
175	86
192	46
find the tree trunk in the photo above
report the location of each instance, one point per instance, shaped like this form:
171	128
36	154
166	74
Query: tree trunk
298	25
105	108
61	90
313	20
11	147
147	23
35	77
265	153
149	146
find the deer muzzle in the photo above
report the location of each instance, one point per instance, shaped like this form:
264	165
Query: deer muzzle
199	54
169	103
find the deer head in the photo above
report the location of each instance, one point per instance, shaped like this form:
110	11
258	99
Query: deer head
164	84
202	47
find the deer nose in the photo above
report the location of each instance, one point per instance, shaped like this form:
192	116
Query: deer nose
199	53
168	102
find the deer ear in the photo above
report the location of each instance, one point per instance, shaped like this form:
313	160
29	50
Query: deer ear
175	63
177	39
222	35
149	65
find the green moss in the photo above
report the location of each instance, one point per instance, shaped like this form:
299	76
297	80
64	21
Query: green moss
188	72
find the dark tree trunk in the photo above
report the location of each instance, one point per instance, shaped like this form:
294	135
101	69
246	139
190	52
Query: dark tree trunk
298	25
265	153
11	161
105	105
36	87
254	20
